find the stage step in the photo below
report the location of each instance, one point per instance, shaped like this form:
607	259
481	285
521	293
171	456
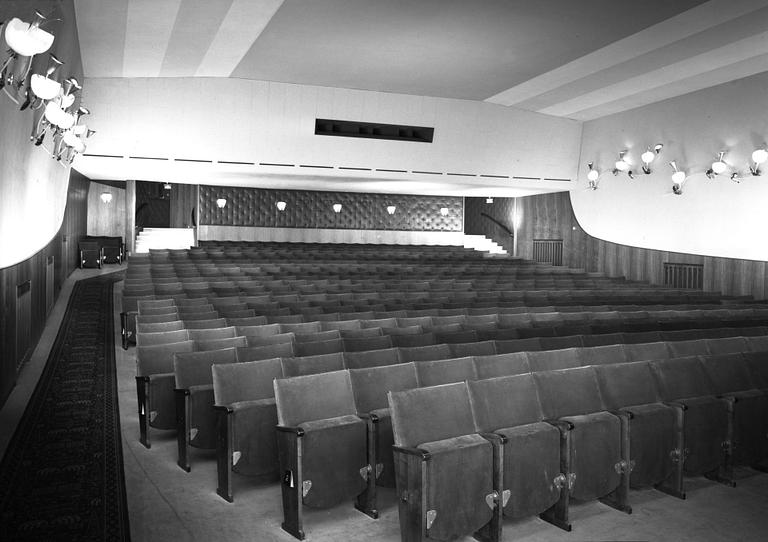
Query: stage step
483	244
164	238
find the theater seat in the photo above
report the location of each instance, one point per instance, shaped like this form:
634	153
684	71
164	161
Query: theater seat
533	482
322	446
246	420
731	378
370	387
425	353
155	383
308	365
655	429
195	417
595	442
683	381
448	476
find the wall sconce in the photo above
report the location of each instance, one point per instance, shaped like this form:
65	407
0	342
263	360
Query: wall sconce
167	186
280	206
489	200
337	207
25	41
592	175
648	156
678	178
717	167
622	164
43	88
444	211
735	177
106	197
391	209
758	157
221	203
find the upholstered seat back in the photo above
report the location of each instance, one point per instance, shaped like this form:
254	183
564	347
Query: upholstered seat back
370	385
431	414
728	373
212	333
367	343
321	363
568	392
253	353
158	359
445	371
695	347
501	365
681	378
548	360
247	381
627	384
314	397
425	353
604	355
194	368
507	401
647	351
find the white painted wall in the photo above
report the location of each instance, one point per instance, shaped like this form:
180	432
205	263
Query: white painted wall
257	121
712	217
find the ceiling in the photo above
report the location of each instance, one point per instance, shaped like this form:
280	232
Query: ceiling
580	60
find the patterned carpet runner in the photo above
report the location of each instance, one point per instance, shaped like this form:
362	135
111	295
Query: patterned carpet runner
62	475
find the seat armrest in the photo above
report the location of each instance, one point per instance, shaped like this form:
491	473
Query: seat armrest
373	418
563	425
298	431
425	455
622	414
494	438
676	404
223	408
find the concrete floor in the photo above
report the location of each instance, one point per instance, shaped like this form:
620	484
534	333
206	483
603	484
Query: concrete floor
166	503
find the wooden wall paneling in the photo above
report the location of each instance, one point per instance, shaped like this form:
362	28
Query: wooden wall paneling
63	248
106	218
183	204
130	216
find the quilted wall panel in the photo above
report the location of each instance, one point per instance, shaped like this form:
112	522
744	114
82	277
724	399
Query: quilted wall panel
310	209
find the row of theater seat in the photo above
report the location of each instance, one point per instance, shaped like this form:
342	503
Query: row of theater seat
191	373
325	416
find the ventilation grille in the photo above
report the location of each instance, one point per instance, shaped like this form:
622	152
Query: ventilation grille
689	276
548	251
351	128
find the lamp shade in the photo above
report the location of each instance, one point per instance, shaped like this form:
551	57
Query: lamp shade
719	167
44	88
281	206
53	113
647	157
592	175
70	138
25	39
444	211
622	165
106	197
337	207
221	203
391	209
678	177
759	156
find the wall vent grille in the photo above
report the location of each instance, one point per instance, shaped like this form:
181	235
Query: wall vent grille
370	130
548	251
689	276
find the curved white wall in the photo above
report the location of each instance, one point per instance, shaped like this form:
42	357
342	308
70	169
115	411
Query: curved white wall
33	187
229	119
712	217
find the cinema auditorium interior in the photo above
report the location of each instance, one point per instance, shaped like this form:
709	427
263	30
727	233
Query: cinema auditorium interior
402	270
